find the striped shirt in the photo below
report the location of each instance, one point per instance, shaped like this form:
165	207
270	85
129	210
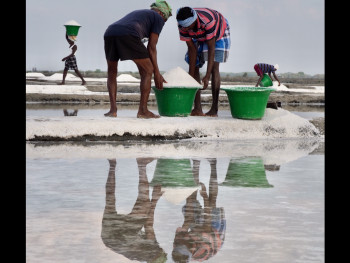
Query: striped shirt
266	68
210	23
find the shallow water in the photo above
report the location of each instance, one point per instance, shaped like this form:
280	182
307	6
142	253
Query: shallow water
144	202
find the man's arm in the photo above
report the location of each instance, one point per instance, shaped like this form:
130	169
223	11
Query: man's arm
74	49
192	57
152	50
211	55
274	74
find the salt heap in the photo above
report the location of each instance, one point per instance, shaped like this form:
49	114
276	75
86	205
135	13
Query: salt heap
177	77
127	78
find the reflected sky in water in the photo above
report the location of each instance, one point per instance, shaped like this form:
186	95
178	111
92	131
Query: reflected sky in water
149	208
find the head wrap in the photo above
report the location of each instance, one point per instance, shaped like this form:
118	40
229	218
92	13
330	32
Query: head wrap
188	21
276	66
163	7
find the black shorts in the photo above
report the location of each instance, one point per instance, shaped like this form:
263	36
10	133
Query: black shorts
71	63
124	48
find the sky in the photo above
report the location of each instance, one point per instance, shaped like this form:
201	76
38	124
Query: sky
290	33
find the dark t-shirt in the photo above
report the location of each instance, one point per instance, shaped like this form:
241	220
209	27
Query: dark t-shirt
139	23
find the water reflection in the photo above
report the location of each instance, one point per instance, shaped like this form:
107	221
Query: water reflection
202	233
67	113
247	172
132	235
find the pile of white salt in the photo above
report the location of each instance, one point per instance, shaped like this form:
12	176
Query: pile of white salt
177	77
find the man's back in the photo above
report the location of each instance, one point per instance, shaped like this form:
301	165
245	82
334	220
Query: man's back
139	23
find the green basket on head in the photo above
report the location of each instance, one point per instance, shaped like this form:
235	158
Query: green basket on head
247	102
175	101
72	28
266	81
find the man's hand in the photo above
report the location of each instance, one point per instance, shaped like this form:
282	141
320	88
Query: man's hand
205	82
63	59
158	81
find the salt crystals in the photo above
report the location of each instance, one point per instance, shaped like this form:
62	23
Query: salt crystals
177	77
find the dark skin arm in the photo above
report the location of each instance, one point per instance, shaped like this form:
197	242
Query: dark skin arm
74	49
211	54
192	55
152	50
274	74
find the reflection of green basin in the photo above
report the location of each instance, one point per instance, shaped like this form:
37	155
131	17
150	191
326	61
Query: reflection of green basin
72	30
247	102
266	81
173	173
246	172
175	101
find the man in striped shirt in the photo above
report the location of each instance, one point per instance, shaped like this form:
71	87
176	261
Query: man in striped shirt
207	35
262	68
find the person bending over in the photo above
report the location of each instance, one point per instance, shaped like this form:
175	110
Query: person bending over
123	40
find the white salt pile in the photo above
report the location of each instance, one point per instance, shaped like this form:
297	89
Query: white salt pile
127	78
177	77
34	75
72	23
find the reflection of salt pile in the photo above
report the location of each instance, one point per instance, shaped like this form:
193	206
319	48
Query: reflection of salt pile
177	195
177	77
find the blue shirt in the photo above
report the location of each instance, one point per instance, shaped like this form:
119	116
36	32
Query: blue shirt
266	68
139	23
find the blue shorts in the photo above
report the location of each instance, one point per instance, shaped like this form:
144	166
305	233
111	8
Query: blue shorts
222	48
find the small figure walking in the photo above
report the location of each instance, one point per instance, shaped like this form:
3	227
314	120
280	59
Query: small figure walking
71	62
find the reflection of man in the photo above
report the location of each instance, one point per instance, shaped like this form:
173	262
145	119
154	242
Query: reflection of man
67	113
123	233
203	231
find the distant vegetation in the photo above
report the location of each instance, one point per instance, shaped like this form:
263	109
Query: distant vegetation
225	76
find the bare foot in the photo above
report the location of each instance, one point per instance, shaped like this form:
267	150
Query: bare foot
84	83
197	113
62	83
211	114
147	115
111	114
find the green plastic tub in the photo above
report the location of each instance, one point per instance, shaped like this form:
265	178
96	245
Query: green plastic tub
175	101
248	102
266	81
246	172
173	173
72	30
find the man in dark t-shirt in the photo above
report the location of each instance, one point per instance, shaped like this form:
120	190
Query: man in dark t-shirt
123	40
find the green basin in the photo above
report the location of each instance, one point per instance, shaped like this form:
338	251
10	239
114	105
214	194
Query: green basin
248	102
175	101
173	173
246	172
266	81
72	30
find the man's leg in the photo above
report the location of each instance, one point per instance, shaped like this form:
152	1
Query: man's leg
64	76
80	76
112	87
197	110
146	71
215	90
